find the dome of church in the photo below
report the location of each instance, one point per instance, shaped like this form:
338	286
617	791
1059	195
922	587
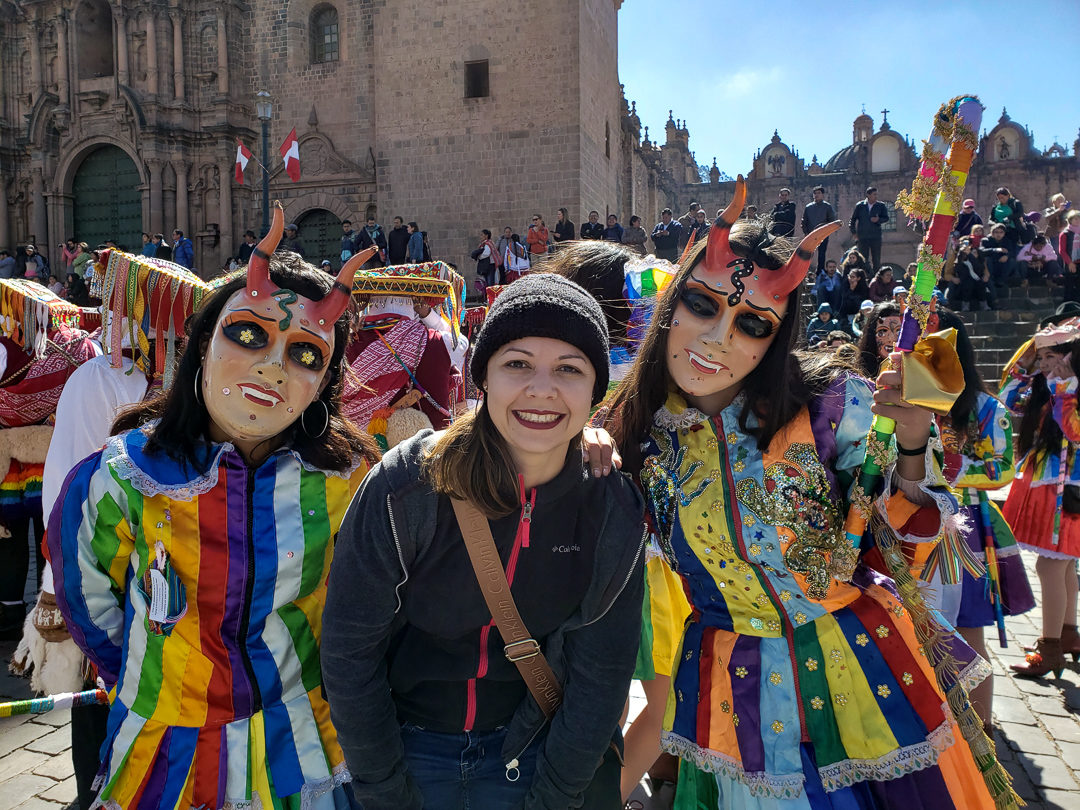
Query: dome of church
842	160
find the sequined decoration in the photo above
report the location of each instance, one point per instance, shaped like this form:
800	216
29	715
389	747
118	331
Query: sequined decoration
795	494
663	481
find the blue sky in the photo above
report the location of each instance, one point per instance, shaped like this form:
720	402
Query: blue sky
737	70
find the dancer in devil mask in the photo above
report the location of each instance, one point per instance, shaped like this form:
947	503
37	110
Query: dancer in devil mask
190	554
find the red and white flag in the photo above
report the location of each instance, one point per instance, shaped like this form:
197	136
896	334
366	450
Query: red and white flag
243	155
290	153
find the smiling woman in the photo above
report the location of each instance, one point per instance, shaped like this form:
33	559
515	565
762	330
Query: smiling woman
419	676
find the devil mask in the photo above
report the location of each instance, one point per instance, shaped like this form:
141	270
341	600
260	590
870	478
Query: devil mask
268	354
731	307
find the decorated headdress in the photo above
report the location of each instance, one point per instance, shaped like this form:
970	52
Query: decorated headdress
143	296
29	312
389	292
769	287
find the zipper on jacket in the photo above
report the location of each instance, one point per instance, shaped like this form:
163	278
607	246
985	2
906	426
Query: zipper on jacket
521	540
400	556
513	764
249	584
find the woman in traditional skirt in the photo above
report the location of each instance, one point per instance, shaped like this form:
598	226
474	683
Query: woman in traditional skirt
1043	506
190	555
799	682
976	437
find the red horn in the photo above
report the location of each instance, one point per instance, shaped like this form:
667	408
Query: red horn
329	309
258	272
717	248
795	270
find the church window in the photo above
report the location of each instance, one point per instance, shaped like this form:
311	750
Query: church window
607	139
93	22
476	79
324	35
890	225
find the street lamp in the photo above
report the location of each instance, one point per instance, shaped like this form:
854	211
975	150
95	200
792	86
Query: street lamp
263	110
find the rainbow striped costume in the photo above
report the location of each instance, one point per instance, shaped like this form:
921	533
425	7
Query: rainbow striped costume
799	682
214	676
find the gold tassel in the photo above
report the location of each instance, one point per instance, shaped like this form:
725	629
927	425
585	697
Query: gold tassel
934	640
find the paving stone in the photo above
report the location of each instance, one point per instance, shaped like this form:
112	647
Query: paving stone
59	740
55	767
1065	729
1021	782
1048	772
55	718
1013	710
1054	706
1070	754
1027	739
17	737
65	792
18	789
1060	799
20	761
35	803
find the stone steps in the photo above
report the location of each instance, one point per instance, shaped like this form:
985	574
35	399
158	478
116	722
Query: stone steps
997	334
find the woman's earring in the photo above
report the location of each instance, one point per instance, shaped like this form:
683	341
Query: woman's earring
326	423
198	372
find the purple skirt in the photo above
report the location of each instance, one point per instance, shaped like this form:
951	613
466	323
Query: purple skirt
976	609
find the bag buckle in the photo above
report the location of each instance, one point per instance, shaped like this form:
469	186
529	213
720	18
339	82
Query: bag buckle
521	650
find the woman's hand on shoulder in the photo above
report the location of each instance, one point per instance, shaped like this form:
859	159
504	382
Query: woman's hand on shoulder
598	450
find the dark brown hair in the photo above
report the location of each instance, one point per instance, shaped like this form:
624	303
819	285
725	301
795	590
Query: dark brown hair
598	267
183	426
869	361
1039	430
782	383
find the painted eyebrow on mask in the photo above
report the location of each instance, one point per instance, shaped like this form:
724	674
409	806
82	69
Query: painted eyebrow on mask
254	315
317	337
721	292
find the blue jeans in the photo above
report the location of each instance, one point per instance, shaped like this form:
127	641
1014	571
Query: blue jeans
466	771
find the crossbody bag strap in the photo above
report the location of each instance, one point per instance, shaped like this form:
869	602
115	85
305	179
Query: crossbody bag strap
521	649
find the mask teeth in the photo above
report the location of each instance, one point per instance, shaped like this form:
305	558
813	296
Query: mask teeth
258	273
329	309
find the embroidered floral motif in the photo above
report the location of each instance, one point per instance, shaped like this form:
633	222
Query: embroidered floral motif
795	494
785	595
907	679
740	672
883	690
800	618
247	336
735	719
776	679
712	444
898	609
840	699
812	664
882	631
663	479
738	466
748	520
725	707
761	599
836	655
754	549
757	623
777	726
817	703
733	438
773	625
862	639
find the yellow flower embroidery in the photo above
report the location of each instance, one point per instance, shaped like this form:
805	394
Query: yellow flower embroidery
840	699
755	549
817	703
812	664
735	719
800	618
907	679
725	707
898	609
738	466
732	438
717	506
777	726
883	690
308	357
836	655
773	625
776	679
748	520
712	444
785	595
247	336
762	599
862	639
882	631
740	672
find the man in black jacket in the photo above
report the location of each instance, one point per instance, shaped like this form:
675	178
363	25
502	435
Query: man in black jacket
666	236
372	235
783	215
397	241
865	225
593	229
814	215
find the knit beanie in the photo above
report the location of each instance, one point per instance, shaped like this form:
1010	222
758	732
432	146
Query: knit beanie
550	306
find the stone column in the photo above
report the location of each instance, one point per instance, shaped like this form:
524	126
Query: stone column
39	218
35	61
5	228
62	58
222	54
153	169
121	44
226	224
181	168
178	53
151	55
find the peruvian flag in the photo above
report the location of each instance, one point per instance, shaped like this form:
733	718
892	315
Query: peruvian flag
242	158
290	153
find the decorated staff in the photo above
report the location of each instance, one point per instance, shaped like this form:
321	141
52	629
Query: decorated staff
67	700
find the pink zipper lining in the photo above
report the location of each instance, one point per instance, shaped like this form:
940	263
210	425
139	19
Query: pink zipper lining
521	540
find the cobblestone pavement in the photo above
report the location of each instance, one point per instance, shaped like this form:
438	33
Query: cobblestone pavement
1037	731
